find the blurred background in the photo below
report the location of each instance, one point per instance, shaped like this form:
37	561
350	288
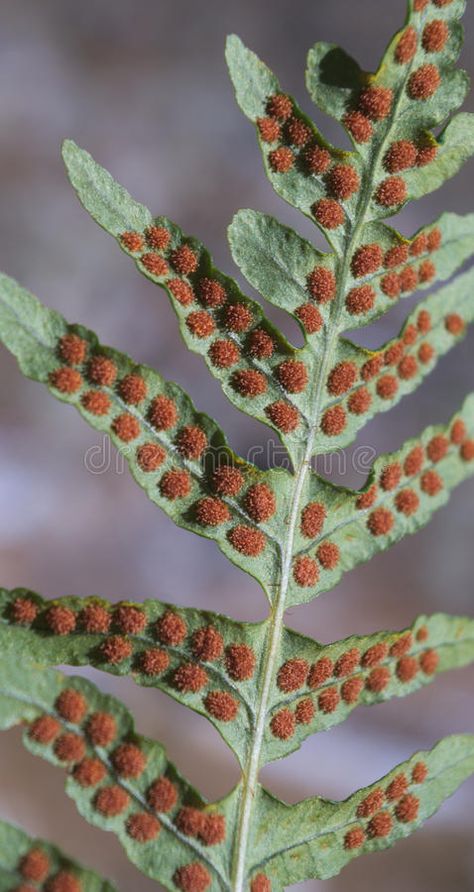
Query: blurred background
143	86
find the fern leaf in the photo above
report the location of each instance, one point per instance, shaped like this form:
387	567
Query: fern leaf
178	456
316	686
340	528
204	660
119	781
286	269
240	346
24	859
318	838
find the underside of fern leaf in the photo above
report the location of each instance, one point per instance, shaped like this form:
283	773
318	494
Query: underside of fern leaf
264	687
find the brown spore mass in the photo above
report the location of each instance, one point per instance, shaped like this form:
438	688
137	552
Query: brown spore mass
329	700
171	629
150	457
227	480
380	825
128	760
305	571
260	344
102	371
328	213
376	102
163	413
126	427
281	160
318	159
367	259
407	809
66	380
250	383
200	324
96	402
184	260
143	827
424	82
101	729
285	417
72	349
292	375
34	865
292	675
320	672
359	402
162	795
116	649
343	181
133	389
305	712
130	620
240	661
221	705
322	284
175	484
342	377
380	522
191	442
328	555
60	620
360	300
111	801
282	724
260	502
192	877
247	540
69	747
207	644
71	705
189	678
333	421
23	611
155	264
44	729
391	192
89	772
359	126
310	318
154	661
406	46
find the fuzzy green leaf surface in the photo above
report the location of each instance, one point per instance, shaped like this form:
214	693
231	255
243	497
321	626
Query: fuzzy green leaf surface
24	858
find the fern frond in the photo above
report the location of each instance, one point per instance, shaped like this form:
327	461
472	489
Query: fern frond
24	859
120	781
317	838
179	456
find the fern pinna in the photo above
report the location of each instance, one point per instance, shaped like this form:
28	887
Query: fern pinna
264	687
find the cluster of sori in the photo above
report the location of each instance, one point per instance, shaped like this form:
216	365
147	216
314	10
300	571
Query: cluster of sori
397	491
36	871
125	637
381	808
113	769
338	682
231	327
151	426
295	145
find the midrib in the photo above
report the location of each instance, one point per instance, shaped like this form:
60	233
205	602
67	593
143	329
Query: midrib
275	619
